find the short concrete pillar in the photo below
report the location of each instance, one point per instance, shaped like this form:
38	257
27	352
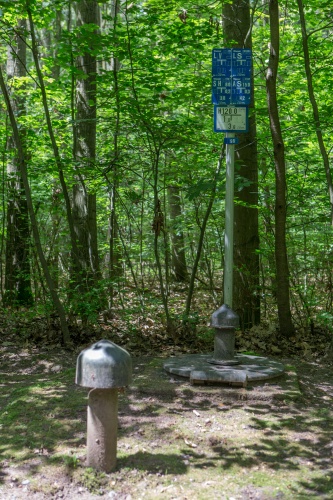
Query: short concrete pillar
102	426
224	321
105	368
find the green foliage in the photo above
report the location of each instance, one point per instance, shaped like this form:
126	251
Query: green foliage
71	461
93	480
154	129
87	304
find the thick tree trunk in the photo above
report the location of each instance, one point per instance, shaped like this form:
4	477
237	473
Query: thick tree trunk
237	26
17	269
85	259
178	259
281	259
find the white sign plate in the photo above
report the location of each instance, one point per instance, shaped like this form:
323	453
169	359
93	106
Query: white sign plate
230	119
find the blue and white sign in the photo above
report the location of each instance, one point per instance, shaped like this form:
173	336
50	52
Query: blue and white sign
231	77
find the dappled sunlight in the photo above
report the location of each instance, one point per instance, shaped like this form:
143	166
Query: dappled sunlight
168	429
38	417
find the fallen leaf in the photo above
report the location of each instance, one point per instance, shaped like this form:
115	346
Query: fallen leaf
192	445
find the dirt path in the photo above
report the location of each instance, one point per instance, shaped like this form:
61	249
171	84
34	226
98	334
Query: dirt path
175	441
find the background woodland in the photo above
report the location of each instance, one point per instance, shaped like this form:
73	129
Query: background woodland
113	181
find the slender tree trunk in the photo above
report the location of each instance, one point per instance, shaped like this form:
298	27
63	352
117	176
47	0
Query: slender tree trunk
267	261
17	271
158	227
237	30
85	261
314	105
115	268
113	234
281	259
51	39
79	274
54	255
178	259
202	235
51	133
24	174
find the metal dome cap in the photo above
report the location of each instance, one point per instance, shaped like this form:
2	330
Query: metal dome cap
104	365
224	317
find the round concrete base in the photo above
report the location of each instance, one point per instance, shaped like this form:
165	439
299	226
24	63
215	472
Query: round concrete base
198	369
224	362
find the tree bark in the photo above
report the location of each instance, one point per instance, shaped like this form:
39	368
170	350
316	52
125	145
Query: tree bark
85	259
237	28
178	259
17	269
24	174
114	257
281	259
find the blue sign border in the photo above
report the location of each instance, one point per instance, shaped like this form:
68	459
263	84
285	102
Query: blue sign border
231	77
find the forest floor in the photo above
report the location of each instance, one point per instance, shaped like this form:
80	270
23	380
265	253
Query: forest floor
175	441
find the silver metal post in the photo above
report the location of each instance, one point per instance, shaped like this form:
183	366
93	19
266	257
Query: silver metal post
229	222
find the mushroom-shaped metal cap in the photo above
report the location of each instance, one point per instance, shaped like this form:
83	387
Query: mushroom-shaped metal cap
104	365
224	317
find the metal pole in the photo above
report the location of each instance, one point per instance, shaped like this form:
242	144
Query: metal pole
229	222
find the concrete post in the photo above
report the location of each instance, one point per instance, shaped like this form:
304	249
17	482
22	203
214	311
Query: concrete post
102	424
104	368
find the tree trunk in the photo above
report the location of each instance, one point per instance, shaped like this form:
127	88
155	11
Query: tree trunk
24	174
17	269
51	38
85	259
281	259
55	148
114	257
178	260
158	227
237	27
202	235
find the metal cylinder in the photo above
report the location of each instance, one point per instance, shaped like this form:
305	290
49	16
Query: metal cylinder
224	344
224	347
102	424
229	222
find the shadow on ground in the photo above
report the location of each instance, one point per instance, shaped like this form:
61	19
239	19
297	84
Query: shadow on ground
273	436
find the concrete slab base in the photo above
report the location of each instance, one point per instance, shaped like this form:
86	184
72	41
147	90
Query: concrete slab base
199	369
